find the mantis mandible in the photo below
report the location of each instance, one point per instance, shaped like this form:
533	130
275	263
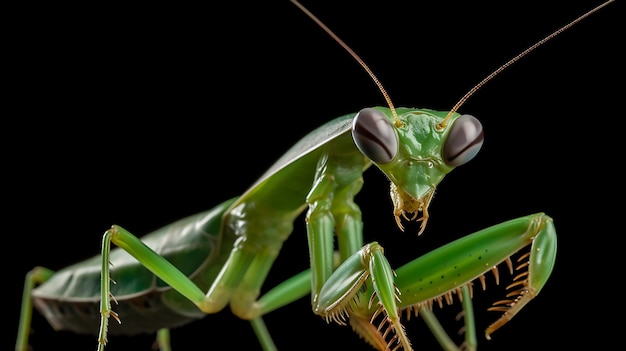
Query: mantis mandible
345	256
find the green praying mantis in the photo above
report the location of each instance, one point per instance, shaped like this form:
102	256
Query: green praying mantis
354	285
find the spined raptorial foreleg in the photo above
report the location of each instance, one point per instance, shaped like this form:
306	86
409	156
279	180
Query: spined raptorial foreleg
341	296
332	212
451	269
364	292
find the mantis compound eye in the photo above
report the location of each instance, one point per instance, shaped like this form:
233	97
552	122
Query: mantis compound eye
464	141
374	135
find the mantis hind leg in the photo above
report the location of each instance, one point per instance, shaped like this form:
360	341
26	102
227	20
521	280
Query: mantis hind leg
33	278
39	275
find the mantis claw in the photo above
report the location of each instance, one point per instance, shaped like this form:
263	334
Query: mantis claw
340	299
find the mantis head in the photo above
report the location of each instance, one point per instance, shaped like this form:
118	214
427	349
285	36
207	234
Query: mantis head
415	152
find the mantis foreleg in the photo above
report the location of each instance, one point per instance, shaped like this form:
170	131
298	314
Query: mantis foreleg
362	287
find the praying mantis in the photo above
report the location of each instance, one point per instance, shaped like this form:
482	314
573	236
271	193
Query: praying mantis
417	242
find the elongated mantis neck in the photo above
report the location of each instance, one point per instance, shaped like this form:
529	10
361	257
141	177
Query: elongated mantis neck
531	48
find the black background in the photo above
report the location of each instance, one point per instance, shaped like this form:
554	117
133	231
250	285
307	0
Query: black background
141	115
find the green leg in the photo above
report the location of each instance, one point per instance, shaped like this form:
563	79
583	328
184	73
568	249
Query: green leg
263	334
435	327
286	292
283	294
163	340
442	336
341	298
36	276
471	343
149	259
451	268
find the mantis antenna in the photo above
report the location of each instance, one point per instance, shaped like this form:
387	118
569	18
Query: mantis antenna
356	57
471	92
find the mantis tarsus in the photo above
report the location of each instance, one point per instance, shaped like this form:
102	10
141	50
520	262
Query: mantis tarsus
434	215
